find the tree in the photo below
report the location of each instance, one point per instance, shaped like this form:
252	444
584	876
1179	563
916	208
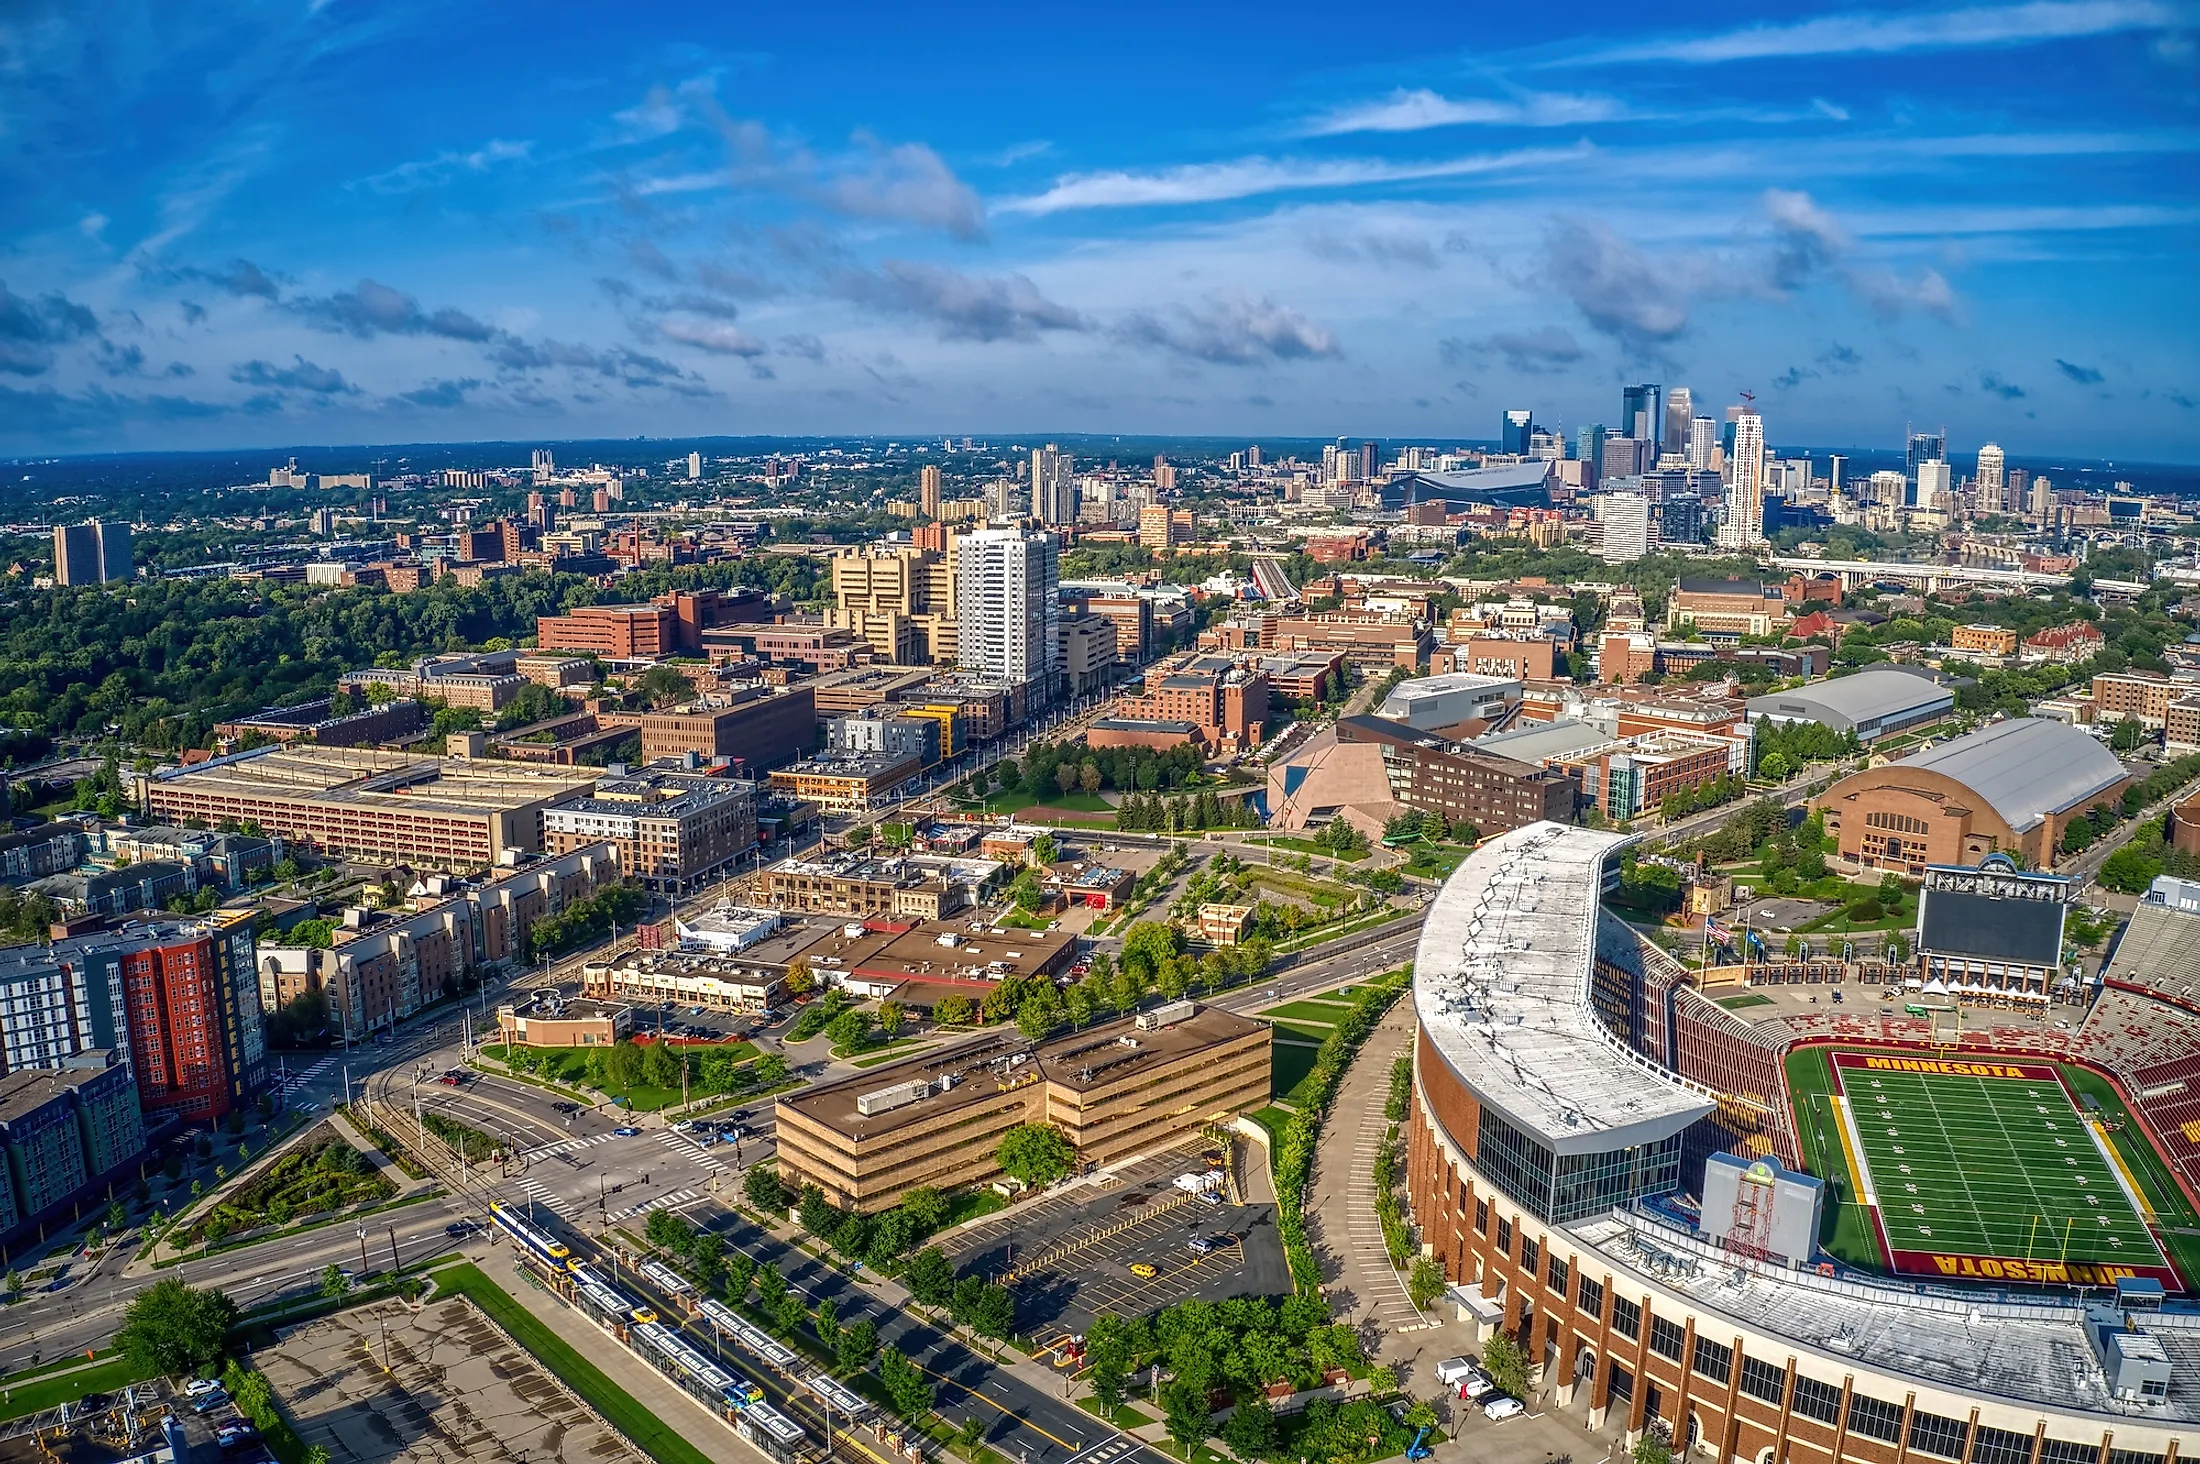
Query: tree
905	1383
816	1213
890	1018
1656	1444
1088	776
333	1282
1106	1378
1186	1413
931	1277
172	1328
1425	1283
828	1323
857	1345
1382	1381
1044	851
955	1011
1506	1364
995	1314
740	1271
799	980
623	1065
970	1435
660	1069
1036	1153
663	686
850	1030
1250	1430
763	1189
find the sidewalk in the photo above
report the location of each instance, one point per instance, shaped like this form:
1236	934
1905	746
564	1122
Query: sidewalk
1356	1269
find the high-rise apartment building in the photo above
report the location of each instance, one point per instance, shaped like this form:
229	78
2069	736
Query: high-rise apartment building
1993	485
695	466
545	463
1626	520
1703	437
1053	489
928	491
1642	412
1935	486
2042	501
1745	482
1518	423
1007	586
96	553
193	1000
1680	408
1927	447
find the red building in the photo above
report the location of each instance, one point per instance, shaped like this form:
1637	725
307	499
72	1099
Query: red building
194	1005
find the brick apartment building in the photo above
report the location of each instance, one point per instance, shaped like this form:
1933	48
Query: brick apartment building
1225	700
673	833
668	625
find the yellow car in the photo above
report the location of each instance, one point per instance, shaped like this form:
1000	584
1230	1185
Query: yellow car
1144	1270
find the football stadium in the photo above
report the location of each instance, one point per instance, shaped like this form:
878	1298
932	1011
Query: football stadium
1822	1209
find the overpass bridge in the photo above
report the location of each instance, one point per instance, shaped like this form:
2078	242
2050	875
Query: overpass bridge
1933	577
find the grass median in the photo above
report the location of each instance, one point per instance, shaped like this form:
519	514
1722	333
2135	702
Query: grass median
644	1429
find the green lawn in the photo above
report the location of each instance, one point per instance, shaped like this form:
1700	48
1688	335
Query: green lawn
1313	1009
39	1394
1289	1063
1308	846
1300	1029
1078	802
644	1428
1744	999
1124	1416
1436	861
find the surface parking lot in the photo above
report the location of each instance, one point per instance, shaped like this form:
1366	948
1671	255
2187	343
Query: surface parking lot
1069	1256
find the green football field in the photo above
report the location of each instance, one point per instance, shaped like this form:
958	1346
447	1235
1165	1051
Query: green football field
1986	1170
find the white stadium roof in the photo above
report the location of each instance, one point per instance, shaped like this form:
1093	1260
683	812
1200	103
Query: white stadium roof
1501	986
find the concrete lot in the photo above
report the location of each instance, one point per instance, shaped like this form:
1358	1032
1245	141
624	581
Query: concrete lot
457	1390
1074	1251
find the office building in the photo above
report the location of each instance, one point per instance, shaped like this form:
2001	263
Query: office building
851	783
673	833
752	727
95	553
1927	447
391	807
1163	528
1626	521
1703	440
928	491
1136	1085
1680	410
1007	588
1224	703
1642	413
1745	490
1518	423
1935	486
1589	444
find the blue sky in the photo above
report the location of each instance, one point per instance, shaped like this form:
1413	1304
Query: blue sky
237	224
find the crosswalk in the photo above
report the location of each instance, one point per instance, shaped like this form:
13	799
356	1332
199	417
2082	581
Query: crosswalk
557	1205
289	1080
1111	1452
679	1199
567	1146
686	1147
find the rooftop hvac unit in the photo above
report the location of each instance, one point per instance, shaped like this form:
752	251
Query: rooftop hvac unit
1166	1015
885	1100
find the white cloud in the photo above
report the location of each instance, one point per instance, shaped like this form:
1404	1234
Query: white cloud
714	336
1248	177
444	166
1421	109
1882	32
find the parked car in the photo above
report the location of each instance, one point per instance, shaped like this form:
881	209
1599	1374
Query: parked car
200	1387
235	1435
219	1398
1144	1270
1199	1245
1500	1408
1476	1386
1211	1198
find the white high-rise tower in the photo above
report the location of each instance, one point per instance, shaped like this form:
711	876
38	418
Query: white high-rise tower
1053	492
1007	600
1745	482
1993	493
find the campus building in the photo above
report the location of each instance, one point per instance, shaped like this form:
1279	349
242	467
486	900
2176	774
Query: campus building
439	813
65	1131
754	727
2011	787
674	833
1131	1086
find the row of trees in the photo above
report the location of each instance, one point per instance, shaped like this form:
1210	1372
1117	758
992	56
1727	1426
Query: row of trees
585	920
1156	814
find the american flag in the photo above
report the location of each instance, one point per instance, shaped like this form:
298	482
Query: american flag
1713	930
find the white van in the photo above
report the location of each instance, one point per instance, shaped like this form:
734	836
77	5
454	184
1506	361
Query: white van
1452	1369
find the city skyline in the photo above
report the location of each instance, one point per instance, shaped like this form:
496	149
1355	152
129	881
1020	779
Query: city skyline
285	224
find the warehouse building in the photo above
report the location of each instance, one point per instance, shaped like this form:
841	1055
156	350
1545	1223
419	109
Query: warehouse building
1132	1086
1876	702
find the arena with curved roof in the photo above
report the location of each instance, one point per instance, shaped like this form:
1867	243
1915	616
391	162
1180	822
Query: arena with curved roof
1571	1089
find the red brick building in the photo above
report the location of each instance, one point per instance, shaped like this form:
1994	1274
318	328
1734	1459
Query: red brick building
193	999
